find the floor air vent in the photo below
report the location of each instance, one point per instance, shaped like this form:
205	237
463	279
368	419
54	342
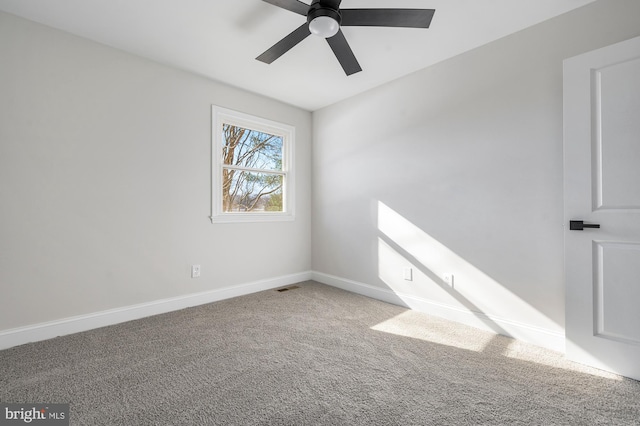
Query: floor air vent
293	287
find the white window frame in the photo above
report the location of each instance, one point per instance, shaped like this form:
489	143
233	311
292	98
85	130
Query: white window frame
222	116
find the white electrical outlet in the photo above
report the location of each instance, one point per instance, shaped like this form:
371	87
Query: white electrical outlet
448	279
195	271
408	274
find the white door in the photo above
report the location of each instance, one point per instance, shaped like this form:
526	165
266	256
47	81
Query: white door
602	186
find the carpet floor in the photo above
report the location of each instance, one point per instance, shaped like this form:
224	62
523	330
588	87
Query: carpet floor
314	355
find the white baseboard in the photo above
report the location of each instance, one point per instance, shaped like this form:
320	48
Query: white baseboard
528	333
61	327
43	331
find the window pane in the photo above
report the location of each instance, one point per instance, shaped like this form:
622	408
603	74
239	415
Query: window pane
257	192
251	148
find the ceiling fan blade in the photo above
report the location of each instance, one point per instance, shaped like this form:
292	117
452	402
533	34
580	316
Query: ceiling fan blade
408	18
343	52
291	5
284	45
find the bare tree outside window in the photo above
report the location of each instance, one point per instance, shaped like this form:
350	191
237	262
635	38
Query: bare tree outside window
252	174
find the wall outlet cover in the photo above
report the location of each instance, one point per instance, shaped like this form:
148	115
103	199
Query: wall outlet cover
195	271
448	279
408	274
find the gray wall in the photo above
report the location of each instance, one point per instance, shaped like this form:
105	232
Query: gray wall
105	191
458	168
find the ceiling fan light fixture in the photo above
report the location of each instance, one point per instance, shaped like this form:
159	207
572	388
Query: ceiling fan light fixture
323	21
324	26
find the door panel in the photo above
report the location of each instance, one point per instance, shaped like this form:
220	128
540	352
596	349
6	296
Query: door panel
602	186
617	133
616	298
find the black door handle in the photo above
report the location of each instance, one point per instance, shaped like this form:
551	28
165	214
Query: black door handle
578	225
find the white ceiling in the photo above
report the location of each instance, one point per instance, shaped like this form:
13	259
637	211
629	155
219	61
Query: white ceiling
220	39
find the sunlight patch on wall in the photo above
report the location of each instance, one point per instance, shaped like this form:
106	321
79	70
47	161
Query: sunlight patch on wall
402	244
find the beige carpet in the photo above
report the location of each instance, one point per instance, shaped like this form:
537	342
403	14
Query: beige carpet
314	355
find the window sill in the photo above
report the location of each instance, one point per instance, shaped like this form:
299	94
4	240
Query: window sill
251	217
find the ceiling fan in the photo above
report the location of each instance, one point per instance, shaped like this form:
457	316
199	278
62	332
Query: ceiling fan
324	19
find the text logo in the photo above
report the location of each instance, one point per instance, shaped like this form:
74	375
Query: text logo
34	414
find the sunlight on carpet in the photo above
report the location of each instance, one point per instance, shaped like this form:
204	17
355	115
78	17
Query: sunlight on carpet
421	326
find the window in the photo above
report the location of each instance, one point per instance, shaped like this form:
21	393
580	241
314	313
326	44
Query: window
252	170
